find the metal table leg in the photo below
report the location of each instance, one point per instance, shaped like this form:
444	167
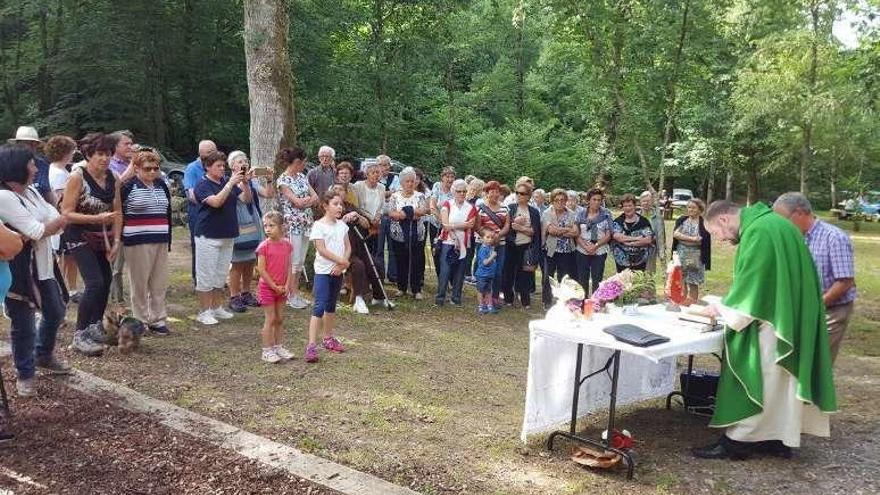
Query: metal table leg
613	363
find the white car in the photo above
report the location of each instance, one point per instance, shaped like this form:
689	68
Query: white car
680	197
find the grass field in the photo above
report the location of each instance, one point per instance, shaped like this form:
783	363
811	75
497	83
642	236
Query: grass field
432	398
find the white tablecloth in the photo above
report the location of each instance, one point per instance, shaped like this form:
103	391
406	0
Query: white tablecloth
645	372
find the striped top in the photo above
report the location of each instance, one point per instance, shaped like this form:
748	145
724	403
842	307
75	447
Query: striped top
146	213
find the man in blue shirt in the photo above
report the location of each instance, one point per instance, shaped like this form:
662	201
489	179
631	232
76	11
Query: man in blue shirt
191	176
29	138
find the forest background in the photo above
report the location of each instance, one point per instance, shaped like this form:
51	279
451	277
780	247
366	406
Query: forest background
736	98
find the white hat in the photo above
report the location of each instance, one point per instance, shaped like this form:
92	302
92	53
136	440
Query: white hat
25	133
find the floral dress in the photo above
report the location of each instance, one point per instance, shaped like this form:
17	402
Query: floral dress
692	269
298	220
398	202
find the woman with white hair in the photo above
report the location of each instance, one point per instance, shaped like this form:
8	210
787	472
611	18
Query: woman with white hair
406	208
250	234
457	217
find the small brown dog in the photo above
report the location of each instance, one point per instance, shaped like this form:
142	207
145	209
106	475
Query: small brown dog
121	330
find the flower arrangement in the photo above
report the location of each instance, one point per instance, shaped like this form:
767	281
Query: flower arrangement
627	287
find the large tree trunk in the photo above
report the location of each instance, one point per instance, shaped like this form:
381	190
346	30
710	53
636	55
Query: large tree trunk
379	68
807	148
833	184
710	187
269	78
672	96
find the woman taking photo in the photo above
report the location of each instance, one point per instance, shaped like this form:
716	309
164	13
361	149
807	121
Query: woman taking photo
692	242
594	228
216	229
146	240
34	284
559	233
493	215
406	207
633	237
93	205
296	199
523	247
250	235
457	216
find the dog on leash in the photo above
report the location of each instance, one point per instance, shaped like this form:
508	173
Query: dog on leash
122	331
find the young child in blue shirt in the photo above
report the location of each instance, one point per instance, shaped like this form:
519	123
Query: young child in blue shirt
485	271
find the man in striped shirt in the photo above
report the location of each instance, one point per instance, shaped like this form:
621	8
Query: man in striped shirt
832	252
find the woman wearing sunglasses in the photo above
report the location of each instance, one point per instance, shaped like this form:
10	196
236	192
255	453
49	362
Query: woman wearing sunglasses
146	240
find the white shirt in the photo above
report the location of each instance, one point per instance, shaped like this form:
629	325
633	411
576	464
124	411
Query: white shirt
58	178
28	213
370	200
334	240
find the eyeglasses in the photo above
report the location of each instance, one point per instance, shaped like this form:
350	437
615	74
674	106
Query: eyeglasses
150	169
461	191
522	193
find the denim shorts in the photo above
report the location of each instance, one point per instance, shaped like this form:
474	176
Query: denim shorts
484	284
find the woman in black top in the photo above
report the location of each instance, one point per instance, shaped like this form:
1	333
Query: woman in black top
93	206
633	237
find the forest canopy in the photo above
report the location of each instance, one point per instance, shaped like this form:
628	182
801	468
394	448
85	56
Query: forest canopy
746	97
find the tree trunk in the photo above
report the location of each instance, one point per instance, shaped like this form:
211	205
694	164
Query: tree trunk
450	152
752	191
269	78
710	186
643	161
378	40
728	186
519	19
807	148
672	92
833	184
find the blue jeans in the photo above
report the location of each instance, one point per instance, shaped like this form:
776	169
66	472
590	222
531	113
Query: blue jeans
24	331
325	290
381	243
499	270
450	270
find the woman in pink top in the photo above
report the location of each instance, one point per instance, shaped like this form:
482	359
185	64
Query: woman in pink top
273	263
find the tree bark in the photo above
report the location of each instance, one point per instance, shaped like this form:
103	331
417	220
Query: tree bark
728	186
269	78
710	186
643	161
672	99
807	148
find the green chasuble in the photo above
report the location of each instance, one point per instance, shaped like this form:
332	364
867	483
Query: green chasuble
775	281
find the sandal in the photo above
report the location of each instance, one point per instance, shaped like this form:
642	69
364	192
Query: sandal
593	458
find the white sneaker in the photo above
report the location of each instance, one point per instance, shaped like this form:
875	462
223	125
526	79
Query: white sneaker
377	301
296	302
305	300
221	313
282	352
418	296
206	317
360	306
270	356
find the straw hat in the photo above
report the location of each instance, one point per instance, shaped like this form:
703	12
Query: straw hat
25	133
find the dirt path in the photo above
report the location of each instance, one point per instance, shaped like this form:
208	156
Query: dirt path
70	442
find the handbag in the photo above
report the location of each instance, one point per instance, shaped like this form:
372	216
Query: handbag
98	242
249	233
528	264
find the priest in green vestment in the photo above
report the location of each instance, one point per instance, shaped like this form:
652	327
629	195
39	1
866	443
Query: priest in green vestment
776	380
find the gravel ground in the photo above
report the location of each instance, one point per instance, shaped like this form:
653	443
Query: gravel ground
70	442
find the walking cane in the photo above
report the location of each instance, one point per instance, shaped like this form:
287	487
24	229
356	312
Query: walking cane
388	304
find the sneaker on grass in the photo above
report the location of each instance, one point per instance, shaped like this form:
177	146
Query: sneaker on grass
270	356
159	330
206	317
333	344
311	355
53	366
250	300
221	313
237	304
297	302
282	352
25	387
360	306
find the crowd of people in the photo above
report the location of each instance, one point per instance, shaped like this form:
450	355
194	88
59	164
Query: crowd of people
110	214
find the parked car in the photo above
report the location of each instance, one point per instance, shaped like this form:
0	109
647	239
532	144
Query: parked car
680	197
867	204
172	167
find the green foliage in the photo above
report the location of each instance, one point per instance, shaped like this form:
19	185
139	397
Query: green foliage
562	91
